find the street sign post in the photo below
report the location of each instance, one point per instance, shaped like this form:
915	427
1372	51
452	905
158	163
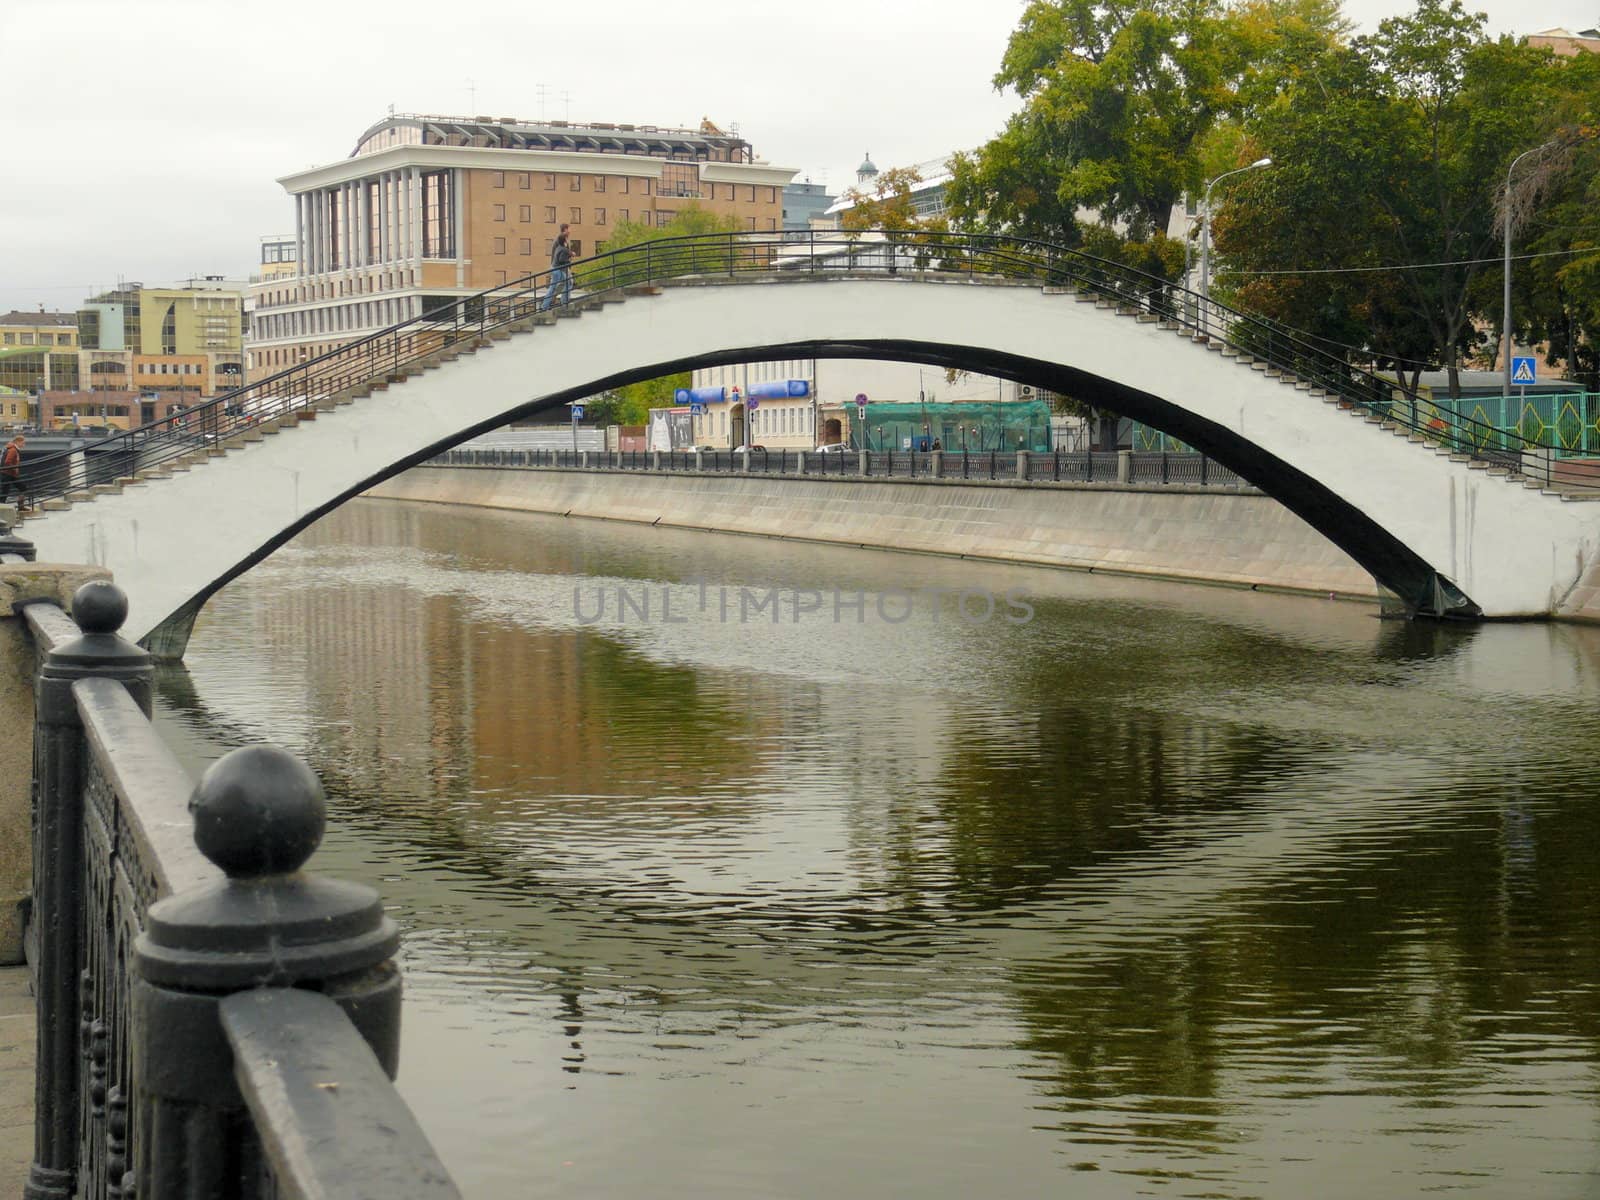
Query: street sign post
1524	371
577	415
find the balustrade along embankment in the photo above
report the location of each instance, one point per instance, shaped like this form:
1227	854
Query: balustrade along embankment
213	1019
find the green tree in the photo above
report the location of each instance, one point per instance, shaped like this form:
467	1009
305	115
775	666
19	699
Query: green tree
694	242
1387	155
889	205
1556	295
1116	99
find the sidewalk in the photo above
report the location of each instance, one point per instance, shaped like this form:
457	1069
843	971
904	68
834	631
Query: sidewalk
16	1080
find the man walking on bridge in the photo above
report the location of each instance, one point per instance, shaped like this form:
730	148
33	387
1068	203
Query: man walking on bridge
560	271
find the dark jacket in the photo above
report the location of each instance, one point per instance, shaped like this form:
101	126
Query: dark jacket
560	256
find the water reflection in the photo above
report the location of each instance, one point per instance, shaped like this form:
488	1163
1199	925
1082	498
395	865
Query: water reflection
1180	890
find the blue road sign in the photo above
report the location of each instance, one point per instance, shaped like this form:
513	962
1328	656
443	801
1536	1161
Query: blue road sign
1524	370
577	412
697	410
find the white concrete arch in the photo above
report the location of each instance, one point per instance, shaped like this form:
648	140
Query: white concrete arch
1419	520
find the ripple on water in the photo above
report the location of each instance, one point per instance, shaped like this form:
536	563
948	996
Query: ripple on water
1182	891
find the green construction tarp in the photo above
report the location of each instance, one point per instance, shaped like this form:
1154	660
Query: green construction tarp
977	426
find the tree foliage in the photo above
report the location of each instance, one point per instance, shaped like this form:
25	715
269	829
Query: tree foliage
889	205
694	242
1378	227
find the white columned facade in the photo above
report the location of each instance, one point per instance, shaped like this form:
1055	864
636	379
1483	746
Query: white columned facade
458	226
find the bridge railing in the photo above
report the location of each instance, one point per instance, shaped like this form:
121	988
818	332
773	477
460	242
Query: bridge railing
469	321
212	1020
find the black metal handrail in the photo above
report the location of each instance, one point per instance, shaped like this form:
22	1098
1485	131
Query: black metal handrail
390	353
172	928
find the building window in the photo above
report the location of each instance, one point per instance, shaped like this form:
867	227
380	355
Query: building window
549	214
625	185
772	224
499	178
525	213
524	180
772	195
575	214
646	184
644	217
549	181
599	216
374	224
335	227
499	245
499	277
679	179
576	246
499	212
525	246
438	215
750	223
622	215
575	183
599	183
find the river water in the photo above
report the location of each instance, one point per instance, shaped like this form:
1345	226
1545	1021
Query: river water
1117	888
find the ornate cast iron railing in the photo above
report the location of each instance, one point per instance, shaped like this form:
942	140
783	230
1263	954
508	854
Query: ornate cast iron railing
391	353
213	1021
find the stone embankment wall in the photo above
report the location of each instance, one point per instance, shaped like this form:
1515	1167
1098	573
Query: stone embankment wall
1199	535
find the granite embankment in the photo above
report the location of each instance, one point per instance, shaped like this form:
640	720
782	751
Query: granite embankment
1214	535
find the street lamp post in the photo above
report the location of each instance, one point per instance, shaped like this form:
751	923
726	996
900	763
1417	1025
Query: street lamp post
1205	234
1505	304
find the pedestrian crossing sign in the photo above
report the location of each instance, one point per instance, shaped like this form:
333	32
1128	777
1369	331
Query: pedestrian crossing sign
1523	370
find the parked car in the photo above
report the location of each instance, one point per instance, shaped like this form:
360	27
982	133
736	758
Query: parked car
833	448
749	449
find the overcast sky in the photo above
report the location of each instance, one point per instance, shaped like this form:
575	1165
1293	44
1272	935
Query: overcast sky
144	136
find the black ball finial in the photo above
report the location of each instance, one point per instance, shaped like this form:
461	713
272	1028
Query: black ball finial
258	811
99	606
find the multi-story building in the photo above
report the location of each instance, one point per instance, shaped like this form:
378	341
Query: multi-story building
38	329
427	209
804	203
185	338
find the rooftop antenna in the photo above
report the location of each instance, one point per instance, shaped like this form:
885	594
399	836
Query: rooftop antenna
540	90
566	100
391	108
472	96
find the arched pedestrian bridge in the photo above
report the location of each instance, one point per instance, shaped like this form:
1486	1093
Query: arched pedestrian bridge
1456	519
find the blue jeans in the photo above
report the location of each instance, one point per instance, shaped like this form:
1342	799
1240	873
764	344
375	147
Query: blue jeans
560	281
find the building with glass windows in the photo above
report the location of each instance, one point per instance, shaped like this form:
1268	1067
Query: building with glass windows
429	208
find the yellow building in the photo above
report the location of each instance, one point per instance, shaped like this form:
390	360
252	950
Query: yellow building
38	329
427	209
182	338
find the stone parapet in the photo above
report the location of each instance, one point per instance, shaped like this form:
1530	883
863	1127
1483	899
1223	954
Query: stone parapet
1203	535
22	584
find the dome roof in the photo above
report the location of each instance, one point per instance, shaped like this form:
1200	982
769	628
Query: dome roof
867	167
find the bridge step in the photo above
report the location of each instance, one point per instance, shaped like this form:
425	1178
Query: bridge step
106	489
56	505
1148	318
77	498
